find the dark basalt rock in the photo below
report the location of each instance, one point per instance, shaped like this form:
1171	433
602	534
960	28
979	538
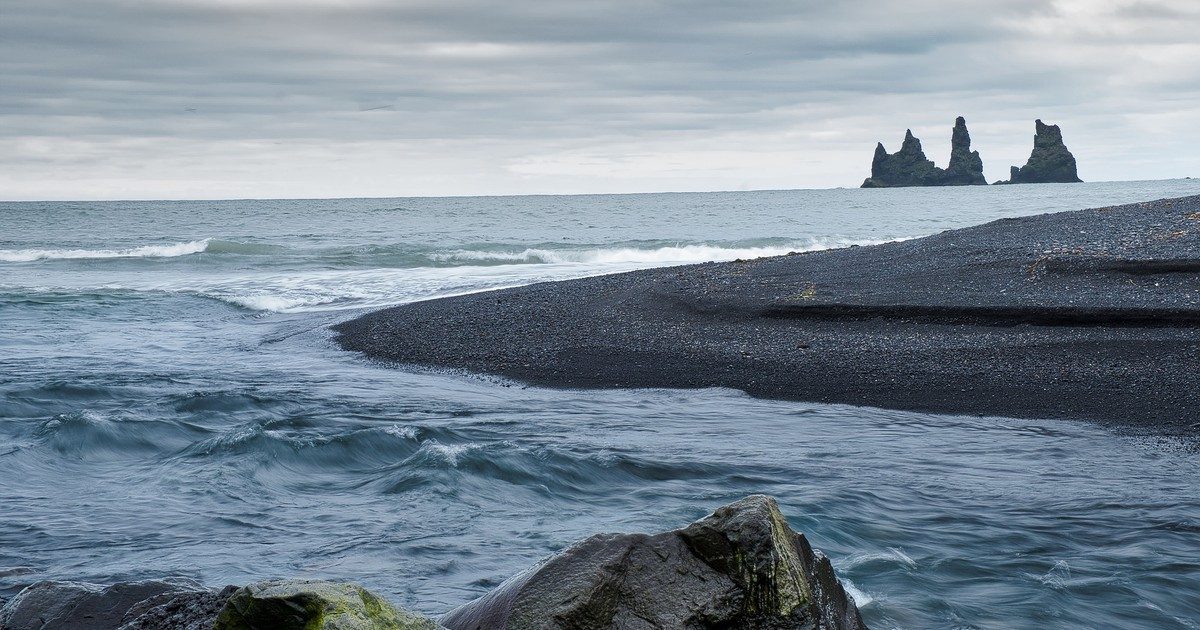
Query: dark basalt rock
966	167
906	167
741	567
84	606
910	167
1050	161
183	611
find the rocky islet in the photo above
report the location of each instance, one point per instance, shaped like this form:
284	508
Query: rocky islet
910	167
1050	162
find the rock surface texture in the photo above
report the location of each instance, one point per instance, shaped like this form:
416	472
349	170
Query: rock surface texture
313	605
183	611
1050	161
910	167
741	567
83	606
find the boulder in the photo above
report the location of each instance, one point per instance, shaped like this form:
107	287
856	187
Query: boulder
85	606
1050	161
741	567
313	605
910	167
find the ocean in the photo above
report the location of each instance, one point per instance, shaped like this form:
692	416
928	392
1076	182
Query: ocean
171	403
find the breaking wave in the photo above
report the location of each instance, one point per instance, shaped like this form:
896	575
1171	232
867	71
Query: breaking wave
421	276
665	255
145	251
403	255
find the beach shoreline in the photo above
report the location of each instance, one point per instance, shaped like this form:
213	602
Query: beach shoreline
1090	314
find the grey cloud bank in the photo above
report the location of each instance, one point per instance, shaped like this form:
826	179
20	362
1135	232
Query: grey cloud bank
208	98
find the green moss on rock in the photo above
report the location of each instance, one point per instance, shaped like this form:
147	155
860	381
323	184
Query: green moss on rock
313	605
741	567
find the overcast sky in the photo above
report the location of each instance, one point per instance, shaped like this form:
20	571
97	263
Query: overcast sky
330	98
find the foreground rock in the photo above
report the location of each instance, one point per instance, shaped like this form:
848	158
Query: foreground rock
172	603
181	604
910	167
741	567
313	605
1092	314
1049	163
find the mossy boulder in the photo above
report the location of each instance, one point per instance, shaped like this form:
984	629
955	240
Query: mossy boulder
741	567
313	605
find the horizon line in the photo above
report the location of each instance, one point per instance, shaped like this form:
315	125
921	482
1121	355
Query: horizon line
594	194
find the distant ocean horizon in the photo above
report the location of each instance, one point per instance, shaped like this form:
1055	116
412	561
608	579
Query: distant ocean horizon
514	194
171	404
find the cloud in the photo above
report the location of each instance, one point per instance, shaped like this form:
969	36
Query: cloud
212	98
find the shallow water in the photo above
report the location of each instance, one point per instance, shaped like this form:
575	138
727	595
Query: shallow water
171	403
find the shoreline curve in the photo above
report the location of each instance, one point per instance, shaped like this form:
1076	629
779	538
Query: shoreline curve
1089	314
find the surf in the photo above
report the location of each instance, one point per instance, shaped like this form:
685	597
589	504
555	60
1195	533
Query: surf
172	250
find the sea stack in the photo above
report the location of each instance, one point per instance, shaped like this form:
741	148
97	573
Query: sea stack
1050	161
966	167
910	167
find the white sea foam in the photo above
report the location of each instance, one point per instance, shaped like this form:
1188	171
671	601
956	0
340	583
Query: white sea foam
406	432
353	288
674	254
445	454
891	556
329	290
340	289
145	251
275	303
861	598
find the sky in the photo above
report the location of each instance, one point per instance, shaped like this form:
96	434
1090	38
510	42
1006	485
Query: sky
200	99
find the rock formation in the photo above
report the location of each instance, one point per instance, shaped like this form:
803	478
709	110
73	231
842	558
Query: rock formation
741	567
910	167
965	167
190	610
1050	161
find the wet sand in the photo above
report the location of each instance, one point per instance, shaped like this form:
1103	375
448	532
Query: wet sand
1093	314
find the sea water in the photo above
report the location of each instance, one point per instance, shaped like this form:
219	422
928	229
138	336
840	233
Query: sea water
171	403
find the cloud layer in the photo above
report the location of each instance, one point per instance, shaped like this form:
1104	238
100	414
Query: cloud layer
266	98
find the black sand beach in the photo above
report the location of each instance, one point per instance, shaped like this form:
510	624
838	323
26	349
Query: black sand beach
1093	314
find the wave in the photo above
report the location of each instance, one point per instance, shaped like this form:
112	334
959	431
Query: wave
672	254
145	251
861	598
216	246
891	556
389	281
408	256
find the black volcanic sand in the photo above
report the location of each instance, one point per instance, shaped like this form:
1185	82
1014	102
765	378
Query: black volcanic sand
1093	314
